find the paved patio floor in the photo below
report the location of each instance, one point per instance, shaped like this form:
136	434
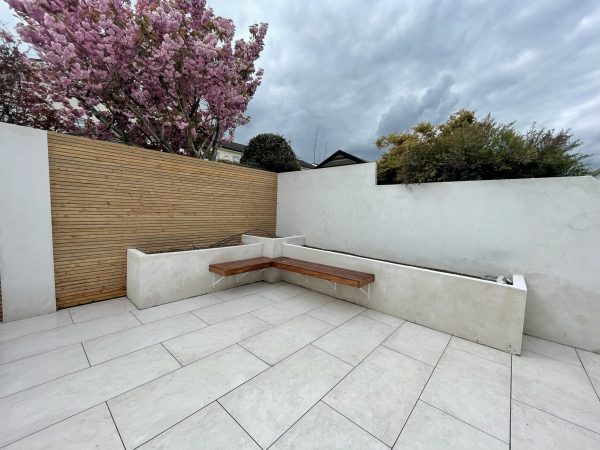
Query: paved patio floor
277	366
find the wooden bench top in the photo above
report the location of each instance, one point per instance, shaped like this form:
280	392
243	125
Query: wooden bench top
323	271
241	266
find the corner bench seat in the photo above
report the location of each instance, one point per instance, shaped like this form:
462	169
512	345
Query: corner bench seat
325	272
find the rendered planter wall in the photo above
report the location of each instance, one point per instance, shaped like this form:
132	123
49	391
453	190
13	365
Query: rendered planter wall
481	311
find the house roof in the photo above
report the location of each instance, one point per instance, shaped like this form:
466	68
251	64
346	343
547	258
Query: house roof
340	158
596	172
234	146
306	165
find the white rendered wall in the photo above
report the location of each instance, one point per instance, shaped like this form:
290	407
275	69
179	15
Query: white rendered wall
547	229
26	253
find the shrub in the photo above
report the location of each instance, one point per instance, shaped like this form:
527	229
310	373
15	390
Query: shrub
466	148
270	152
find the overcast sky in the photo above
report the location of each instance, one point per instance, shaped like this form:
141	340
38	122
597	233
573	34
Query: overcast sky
357	70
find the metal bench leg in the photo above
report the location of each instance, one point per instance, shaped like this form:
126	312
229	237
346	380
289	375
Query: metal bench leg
368	291
215	282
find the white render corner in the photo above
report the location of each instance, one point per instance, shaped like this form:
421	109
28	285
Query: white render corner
26	248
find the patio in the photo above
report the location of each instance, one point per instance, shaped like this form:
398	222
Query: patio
278	366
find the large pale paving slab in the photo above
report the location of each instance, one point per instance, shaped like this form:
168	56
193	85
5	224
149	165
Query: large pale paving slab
591	363
33	409
418	342
18	328
227	310
92	429
210	428
269	404
28	372
44	341
241	291
381	392
198	344
384	318
480	350
148	410
101	309
533	429
282	311
281	341
337	312
431	429
175	308
282	291
355	339
322	427
117	344
557	387
472	389
551	349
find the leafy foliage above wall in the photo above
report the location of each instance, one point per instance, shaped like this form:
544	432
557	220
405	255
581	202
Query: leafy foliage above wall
467	148
271	152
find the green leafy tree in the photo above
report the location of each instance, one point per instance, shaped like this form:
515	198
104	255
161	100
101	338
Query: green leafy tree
467	148
270	152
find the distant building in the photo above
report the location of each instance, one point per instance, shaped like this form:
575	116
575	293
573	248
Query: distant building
232	152
596	173
340	158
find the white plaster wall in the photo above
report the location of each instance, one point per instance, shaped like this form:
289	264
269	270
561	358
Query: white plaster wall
272	248
155	279
26	253
480	311
547	229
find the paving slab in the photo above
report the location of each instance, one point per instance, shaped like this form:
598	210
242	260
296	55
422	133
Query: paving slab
281	341
418	342
120	343
480	350
282	291
322	427
28	372
232	308
355	339
92	429
101	309
472	389
381	392
533	429
44	405
384	318
210	428
148	410
175	308
18	328
336	312
428	428
556	387
241	291
591	363
269	404
285	310
198	344
44	341
551	349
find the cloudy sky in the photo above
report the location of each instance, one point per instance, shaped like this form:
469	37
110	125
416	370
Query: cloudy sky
357	70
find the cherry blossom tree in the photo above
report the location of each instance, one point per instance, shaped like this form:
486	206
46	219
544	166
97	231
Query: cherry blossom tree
23	97
163	74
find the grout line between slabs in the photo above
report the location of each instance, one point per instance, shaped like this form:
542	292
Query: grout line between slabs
239	424
421	393
588	375
115	424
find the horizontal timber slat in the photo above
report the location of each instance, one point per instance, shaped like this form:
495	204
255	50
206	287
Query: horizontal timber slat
107	197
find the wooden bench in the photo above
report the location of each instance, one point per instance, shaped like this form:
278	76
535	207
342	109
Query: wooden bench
336	275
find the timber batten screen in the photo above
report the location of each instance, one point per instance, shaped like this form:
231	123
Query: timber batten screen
108	197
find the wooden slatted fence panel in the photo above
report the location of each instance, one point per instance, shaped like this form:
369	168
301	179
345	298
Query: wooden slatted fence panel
109	197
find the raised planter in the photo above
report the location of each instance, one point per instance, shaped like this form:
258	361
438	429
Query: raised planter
481	311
